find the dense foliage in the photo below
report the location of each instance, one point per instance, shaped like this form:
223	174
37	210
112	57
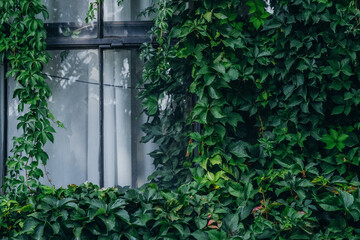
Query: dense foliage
277	106
256	112
87	212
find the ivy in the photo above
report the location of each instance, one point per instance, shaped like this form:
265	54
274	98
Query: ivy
165	101
277	110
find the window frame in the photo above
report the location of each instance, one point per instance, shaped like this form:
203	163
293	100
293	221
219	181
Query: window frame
100	43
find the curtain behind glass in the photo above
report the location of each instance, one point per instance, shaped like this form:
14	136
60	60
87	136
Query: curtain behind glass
67	10
73	158
74	83
129	10
126	159
117	119
124	20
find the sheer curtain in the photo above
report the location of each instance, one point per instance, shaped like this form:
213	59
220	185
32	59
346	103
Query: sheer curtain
126	159
73	79
73	76
117	118
67	10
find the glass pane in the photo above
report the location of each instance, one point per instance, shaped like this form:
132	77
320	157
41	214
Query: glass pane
119	20
126	160
67	19
13	114
74	81
129	10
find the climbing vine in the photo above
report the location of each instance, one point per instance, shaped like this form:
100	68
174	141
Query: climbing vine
22	46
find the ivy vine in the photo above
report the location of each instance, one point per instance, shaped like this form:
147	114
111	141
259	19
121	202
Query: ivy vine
22	46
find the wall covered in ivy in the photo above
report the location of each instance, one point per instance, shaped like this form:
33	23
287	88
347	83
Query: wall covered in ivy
255	112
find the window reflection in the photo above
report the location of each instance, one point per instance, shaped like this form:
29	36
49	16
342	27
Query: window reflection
129	10
126	19
67	19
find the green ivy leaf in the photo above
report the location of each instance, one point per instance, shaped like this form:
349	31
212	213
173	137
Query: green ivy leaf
238	149
338	110
208	16
220	16
151	104
123	215
216	112
214	94
216	160
347	199
234	74
219	68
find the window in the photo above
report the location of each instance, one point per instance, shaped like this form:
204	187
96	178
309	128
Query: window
93	75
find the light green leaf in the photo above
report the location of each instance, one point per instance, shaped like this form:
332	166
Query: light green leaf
219	68
208	16
210	176
220	15
216	160
342	137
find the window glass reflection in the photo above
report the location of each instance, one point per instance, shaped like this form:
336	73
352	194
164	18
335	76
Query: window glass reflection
129	10
67	19
120	20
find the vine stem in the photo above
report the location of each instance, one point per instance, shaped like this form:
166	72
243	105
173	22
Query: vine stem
264	201
262	125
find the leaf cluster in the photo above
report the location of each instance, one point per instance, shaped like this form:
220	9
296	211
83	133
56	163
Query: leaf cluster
22	48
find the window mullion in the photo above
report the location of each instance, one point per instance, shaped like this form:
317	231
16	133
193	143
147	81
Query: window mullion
100	26
101	108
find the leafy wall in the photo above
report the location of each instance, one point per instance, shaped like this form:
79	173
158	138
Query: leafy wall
277	108
256	112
